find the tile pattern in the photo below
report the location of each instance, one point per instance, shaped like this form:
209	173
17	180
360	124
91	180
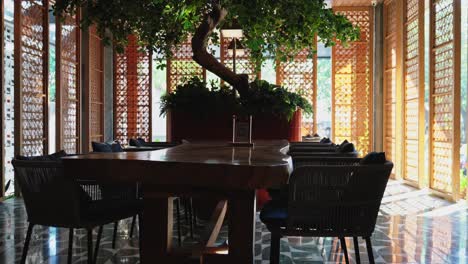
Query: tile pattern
412	227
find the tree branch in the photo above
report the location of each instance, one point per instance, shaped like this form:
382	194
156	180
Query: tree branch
240	82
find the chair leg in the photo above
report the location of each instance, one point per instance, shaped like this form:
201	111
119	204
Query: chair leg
179	233
90	246
186	210
114	238
98	241
345	250
275	247
70	245
194	213
26	243
133	226
140	232
191	217
356	250
369	250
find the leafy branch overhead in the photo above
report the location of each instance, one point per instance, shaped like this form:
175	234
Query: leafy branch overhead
279	28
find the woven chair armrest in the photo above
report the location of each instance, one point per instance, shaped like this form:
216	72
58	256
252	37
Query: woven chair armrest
43	164
91	188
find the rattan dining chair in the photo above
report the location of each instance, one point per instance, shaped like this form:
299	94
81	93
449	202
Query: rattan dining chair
52	199
329	201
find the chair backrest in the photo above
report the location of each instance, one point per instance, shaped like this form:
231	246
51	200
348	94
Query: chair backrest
337	199
155	145
323	154
307	143
49	197
299	161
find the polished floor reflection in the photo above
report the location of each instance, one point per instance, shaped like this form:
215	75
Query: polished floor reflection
413	227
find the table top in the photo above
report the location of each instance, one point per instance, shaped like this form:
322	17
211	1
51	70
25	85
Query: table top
199	164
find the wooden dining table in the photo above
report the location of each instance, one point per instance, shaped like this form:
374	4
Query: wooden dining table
216	170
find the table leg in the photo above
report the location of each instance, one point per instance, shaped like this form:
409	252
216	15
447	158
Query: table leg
241	208
157	229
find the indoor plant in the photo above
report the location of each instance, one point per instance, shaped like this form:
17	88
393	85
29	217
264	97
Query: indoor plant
206	111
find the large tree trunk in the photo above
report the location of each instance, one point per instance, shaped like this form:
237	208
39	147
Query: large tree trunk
240	82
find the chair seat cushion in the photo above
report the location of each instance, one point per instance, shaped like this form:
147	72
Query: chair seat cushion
275	213
135	143
101	147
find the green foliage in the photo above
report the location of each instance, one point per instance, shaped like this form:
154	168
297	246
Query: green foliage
197	98
278	28
263	98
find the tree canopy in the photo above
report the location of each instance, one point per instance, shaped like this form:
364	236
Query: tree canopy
279	28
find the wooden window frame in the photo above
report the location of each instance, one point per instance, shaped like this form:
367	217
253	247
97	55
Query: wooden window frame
455	150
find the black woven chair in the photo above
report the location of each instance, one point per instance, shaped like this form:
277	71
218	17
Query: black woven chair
52	199
329	201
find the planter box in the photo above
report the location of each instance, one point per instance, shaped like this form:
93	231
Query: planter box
219	127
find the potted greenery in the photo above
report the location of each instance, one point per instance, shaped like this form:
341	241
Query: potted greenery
199	111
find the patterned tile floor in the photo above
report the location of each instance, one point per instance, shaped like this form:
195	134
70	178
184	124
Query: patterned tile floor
412	227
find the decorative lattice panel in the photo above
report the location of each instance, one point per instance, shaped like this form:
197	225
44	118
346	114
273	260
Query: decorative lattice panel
8	102
243	63
390	79
352	84
95	87
31	77
413	52
182	67
2	158
300	75
68	84
132	93
444	98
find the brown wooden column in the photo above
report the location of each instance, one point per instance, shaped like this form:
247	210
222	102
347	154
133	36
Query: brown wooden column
393	26
93	89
